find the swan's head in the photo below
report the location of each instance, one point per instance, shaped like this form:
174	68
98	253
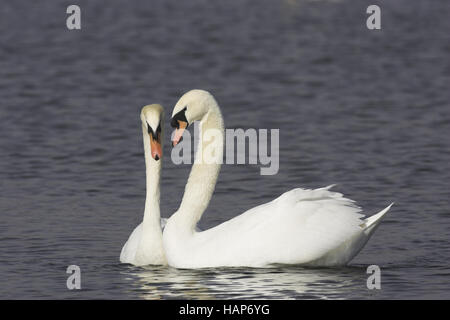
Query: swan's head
152	117
192	106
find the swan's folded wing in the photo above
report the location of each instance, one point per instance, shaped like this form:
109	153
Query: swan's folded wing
301	225
298	227
128	253
317	222
130	247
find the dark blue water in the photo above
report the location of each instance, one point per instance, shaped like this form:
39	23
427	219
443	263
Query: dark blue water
368	110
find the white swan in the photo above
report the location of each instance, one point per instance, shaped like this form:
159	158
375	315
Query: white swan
144	246
308	227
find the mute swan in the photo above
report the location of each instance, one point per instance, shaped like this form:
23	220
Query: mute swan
144	246
302	226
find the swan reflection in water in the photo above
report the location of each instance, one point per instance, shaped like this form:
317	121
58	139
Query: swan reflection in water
284	282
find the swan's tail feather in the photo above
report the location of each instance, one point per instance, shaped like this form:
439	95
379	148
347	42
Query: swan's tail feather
328	187
374	220
163	223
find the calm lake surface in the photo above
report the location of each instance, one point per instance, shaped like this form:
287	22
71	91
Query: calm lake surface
367	110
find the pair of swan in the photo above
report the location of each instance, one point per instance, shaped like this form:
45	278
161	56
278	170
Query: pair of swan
302	226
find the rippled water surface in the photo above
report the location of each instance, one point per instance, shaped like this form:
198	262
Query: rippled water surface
368	110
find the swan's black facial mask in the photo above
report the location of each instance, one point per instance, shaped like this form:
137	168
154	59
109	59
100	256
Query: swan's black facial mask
179	122
155	142
179	117
154	135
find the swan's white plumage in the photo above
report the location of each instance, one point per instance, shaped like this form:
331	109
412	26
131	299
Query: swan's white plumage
129	249
302	226
144	246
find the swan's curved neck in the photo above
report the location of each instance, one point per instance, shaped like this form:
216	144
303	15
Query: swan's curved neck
205	170
152	213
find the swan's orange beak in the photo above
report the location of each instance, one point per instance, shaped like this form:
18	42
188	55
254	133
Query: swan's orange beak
178	136
155	146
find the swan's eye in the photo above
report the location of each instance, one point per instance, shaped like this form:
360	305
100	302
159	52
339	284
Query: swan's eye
158	130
